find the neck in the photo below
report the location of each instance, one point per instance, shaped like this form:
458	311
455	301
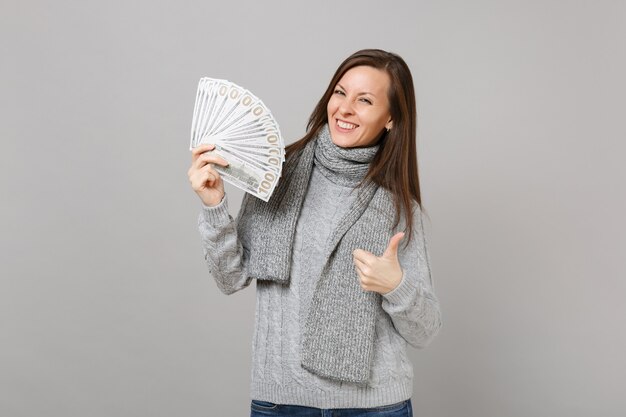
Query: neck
344	166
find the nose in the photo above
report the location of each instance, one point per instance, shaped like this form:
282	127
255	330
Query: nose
345	107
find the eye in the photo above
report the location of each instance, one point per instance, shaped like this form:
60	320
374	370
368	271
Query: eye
366	100
338	91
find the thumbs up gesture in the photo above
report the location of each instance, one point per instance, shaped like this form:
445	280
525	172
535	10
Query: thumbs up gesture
379	273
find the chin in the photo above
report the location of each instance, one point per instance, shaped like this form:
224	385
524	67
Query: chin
342	142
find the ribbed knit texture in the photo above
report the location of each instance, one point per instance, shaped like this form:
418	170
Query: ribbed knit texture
345	166
339	332
410	313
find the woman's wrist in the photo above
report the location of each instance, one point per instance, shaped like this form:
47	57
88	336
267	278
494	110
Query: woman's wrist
211	204
217	214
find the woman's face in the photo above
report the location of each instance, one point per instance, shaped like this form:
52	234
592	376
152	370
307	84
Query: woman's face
358	109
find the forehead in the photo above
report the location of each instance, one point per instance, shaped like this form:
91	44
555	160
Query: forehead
365	79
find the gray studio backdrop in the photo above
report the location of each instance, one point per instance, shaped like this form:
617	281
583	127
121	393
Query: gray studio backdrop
106	308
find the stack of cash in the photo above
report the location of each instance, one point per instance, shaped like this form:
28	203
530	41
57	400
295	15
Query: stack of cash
244	133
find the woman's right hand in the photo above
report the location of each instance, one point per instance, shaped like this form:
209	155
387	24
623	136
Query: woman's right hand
205	180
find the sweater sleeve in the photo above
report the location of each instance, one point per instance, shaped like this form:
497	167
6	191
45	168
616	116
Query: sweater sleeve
224	252
412	305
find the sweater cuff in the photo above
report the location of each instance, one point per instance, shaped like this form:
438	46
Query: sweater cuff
216	215
404	293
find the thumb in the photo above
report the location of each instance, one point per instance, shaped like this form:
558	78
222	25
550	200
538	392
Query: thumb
392	248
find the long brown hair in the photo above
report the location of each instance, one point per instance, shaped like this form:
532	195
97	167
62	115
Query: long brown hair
394	166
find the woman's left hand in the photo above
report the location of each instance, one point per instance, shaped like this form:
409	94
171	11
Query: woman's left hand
379	273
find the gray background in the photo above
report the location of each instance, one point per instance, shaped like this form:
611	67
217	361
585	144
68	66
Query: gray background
106	308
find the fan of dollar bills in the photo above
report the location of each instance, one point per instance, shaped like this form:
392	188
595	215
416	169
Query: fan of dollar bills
244	133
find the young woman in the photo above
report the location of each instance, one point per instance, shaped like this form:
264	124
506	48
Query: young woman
338	252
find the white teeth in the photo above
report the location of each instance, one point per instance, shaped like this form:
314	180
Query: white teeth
345	125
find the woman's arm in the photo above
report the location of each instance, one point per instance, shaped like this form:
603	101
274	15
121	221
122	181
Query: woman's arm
412	305
224	253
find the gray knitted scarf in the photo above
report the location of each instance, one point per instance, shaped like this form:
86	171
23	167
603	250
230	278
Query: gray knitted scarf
338	338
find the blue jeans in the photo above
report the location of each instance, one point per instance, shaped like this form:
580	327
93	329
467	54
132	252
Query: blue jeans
267	409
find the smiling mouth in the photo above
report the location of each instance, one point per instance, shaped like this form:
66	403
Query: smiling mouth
346	125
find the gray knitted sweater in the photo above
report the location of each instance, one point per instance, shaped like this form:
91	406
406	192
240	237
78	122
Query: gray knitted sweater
411	311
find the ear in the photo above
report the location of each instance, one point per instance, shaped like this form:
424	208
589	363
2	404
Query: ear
389	125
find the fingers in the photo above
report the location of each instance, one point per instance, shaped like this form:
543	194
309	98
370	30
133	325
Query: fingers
380	274
199	150
361	268
394	242
209	172
200	159
202	152
203	177
209	158
391	250
363	256
367	281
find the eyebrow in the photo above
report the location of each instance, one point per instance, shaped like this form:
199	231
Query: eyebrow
364	92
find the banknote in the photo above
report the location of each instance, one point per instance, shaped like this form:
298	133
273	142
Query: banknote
244	132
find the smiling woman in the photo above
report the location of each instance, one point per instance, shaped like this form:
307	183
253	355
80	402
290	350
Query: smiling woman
338	297
394	166
358	110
